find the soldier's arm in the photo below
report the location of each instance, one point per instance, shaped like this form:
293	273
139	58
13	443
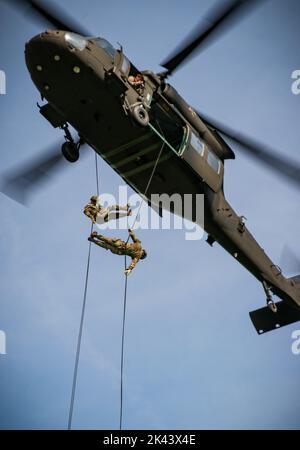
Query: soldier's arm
89	215
133	236
132	264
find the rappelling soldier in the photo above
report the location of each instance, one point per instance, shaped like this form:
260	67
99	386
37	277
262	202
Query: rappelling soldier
100	214
120	247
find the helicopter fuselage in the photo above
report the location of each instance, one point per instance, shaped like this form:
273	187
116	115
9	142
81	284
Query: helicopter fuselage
86	84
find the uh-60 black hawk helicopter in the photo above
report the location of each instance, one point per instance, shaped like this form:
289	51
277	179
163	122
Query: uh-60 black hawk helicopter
86	83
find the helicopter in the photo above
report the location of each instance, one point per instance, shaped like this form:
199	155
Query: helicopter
90	85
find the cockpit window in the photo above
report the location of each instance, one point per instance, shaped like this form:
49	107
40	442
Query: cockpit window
75	41
103	43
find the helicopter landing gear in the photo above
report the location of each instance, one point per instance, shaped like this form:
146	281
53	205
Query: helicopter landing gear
70	151
140	115
70	148
272	306
270	302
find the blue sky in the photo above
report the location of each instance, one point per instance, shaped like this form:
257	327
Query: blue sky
192	357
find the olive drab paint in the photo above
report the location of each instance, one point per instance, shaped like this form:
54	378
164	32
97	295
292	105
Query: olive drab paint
98	95
128	117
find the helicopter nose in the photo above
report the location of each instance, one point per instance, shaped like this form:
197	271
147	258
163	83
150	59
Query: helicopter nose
52	57
43	39
46	43
41	52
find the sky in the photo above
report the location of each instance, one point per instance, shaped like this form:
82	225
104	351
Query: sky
193	360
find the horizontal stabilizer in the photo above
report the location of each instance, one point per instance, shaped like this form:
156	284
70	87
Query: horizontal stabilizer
265	320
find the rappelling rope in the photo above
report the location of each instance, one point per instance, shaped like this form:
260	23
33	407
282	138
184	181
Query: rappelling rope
149	181
79	339
125	287
80	332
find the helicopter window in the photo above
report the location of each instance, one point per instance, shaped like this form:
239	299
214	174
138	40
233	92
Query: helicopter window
103	43
76	41
197	144
125	65
213	161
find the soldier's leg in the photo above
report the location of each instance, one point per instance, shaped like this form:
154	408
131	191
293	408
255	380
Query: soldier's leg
104	242
117	215
102	217
99	243
107	240
99	237
119	207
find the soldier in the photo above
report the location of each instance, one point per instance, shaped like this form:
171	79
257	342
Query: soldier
98	214
137	81
119	247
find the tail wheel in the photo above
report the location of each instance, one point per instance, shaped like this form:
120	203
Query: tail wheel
140	115
272	306
70	151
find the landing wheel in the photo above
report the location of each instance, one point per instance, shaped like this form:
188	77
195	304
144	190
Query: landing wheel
140	115
70	151
272	306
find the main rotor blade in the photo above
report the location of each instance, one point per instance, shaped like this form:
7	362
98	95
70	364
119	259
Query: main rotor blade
53	15
264	154
219	18
21	182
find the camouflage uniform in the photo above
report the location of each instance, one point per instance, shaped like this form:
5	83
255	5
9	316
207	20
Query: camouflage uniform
98	214
91	211
119	247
